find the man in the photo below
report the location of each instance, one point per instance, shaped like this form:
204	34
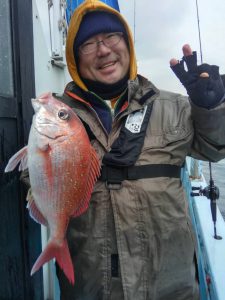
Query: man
135	241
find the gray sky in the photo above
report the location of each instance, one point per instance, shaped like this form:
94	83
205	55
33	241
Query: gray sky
164	26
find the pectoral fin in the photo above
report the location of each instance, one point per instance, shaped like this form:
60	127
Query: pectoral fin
18	157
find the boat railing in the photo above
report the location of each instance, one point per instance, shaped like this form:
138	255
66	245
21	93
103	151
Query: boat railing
210	252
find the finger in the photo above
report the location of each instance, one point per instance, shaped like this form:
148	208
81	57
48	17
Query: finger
173	62
179	71
206	70
204	75
187	50
215	71
214	74
191	61
223	79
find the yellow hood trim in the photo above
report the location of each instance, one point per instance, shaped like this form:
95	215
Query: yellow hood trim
85	7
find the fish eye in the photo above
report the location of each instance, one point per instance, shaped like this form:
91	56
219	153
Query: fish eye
63	114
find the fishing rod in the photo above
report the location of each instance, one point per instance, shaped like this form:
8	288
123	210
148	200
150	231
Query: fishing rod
211	191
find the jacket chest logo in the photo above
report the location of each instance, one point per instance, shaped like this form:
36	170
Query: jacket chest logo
135	120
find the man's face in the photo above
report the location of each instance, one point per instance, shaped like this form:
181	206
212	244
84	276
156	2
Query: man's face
106	64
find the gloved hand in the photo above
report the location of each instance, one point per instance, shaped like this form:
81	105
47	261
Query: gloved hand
203	83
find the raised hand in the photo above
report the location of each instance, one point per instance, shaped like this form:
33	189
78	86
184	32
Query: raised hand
203	83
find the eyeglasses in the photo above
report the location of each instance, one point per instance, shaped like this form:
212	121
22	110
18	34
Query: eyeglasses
110	40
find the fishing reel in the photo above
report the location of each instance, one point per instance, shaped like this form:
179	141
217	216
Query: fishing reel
212	193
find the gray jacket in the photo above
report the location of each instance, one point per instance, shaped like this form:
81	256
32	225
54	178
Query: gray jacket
136	243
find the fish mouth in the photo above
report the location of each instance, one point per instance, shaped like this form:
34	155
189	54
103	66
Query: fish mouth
49	135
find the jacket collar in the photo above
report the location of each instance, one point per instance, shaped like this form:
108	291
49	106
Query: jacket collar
140	92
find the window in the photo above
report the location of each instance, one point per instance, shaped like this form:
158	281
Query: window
6	63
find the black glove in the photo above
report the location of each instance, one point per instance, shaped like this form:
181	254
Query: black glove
205	92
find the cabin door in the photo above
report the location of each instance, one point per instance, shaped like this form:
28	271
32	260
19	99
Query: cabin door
19	236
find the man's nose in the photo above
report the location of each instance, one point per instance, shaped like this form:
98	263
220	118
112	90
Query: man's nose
102	49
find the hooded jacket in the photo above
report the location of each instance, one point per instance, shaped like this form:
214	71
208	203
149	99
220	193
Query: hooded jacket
136	242
84	8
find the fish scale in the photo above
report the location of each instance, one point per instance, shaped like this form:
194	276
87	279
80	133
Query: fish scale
63	168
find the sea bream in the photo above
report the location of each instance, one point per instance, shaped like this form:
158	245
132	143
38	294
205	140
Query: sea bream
63	168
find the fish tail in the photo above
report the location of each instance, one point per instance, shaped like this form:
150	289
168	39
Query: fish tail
61	254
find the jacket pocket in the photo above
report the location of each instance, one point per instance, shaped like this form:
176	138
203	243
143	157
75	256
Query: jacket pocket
162	138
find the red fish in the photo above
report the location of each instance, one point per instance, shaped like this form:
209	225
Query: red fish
63	168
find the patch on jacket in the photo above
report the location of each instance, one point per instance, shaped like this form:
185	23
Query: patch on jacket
135	120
